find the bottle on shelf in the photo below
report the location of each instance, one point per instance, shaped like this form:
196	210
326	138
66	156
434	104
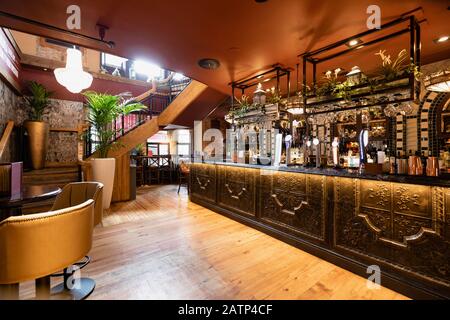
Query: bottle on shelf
424	163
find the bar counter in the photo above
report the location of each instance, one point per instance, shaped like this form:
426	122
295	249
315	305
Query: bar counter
399	223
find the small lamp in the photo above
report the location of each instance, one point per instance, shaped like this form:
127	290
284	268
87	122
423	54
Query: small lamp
259	96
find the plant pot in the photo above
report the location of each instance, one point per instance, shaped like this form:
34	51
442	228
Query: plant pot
37	142
103	171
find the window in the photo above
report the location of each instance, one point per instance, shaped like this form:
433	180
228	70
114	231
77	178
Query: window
110	60
151	71
184	149
183	142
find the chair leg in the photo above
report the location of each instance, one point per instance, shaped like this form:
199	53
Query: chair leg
43	288
179	185
9	291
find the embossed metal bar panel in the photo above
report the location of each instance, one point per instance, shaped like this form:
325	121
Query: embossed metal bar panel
354	222
400	226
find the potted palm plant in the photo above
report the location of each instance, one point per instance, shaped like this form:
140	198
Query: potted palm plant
37	129
103	110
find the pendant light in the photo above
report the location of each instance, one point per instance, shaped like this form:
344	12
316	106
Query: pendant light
73	77
296	106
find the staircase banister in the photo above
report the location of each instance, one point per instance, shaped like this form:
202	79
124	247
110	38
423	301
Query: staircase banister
5	137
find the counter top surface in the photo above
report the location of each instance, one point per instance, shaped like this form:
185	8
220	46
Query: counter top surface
348	173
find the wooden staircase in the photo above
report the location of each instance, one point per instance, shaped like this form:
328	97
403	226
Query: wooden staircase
152	126
51	176
140	134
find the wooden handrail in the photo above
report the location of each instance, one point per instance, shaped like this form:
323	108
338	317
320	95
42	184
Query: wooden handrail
5	137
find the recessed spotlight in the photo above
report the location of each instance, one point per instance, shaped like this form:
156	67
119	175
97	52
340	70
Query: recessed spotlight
260	77
442	39
266	80
353	42
208	63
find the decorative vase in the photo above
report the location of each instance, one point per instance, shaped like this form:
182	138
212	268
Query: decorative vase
103	170
37	141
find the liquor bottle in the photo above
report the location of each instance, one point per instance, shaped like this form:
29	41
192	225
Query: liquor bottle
424	163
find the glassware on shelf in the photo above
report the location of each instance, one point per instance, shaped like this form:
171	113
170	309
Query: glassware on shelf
397	96
406	109
390	111
365	115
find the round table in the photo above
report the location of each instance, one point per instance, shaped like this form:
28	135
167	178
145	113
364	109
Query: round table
12	205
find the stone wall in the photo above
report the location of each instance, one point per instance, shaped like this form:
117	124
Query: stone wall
9	110
62	114
63	146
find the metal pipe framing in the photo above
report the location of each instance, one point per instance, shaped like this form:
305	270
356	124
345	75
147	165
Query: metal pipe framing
274	68
384	38
110	44
392	23
288	85
412	51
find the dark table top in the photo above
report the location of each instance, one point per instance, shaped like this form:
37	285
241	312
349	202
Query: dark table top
30	194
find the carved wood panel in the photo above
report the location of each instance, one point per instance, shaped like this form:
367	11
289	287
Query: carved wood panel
294	202
236	189
203	181
398	224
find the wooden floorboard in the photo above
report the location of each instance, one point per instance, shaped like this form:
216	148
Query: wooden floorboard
162	246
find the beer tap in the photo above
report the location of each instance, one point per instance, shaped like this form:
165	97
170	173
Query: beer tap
363	142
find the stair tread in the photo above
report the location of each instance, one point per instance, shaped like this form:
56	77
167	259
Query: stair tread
46	171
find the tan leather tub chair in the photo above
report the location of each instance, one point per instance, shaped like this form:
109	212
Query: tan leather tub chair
78	192
37	245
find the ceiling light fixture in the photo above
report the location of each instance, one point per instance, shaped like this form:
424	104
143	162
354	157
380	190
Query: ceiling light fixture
438	81
260	77
353	42
442	39
73	77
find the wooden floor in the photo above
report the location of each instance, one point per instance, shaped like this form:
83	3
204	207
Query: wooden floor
161	246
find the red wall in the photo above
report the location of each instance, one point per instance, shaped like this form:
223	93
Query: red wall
47	78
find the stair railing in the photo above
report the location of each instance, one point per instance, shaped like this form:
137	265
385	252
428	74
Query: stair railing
155	103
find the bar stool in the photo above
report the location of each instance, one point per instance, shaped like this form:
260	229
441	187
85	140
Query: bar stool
183	175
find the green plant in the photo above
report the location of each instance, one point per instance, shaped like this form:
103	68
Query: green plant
329	83
38	101
103	110
343	90
275	96
392	69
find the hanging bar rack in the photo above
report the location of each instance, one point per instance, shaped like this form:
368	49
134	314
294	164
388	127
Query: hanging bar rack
276	72
413	29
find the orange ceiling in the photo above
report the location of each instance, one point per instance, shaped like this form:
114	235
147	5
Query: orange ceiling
243	35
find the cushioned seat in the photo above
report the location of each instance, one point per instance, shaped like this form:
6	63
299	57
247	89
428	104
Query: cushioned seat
37	245
78	192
